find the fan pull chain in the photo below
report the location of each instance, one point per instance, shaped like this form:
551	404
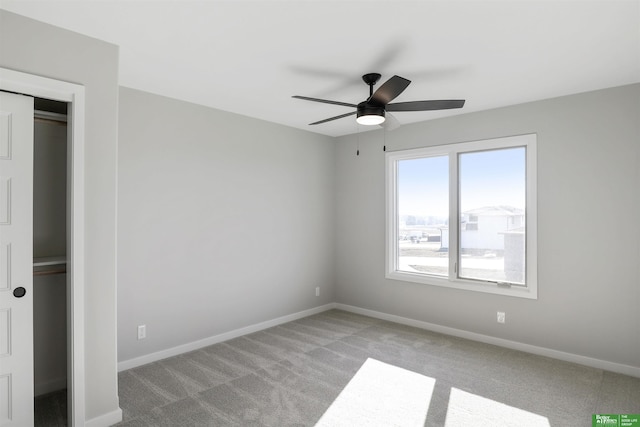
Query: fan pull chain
358	141
384	139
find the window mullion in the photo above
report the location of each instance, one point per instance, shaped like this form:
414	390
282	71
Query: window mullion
392	215
454	217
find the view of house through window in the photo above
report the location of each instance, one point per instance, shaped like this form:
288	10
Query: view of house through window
492	215
460	213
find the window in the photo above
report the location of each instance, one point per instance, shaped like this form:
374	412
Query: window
464	215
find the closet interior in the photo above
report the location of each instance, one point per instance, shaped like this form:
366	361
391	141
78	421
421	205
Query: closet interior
49	261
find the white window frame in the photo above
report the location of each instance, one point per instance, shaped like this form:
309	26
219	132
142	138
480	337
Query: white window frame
530	289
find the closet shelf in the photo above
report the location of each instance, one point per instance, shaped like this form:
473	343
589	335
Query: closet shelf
50	260
49	265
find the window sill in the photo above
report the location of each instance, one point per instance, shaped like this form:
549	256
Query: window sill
529	292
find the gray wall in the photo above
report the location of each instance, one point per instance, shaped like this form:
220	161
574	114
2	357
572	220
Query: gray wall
33	47
224	222
588	227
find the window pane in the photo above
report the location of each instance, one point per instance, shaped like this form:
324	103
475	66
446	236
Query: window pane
423	211
492	215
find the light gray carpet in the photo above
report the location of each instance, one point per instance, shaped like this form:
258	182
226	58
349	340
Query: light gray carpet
290	374
51	409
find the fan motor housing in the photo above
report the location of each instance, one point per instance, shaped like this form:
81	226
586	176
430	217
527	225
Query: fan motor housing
365	109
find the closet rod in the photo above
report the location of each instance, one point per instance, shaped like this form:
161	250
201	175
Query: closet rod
49	272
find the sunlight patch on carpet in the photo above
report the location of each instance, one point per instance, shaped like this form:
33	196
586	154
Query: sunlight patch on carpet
380	394
468	409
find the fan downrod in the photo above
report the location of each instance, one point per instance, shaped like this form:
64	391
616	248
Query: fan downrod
371	79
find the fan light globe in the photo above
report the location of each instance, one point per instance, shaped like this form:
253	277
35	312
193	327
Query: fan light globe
370	119
369	114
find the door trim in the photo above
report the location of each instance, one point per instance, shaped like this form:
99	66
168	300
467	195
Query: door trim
74	94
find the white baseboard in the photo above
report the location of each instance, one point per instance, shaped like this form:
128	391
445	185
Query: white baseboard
49	386
105	420
514	345
174	351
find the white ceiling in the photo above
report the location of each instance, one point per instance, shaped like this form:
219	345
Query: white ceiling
250	57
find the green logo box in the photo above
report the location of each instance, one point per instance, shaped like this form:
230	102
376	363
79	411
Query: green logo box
615	420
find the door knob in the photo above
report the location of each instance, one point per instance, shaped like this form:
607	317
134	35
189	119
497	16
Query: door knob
19	292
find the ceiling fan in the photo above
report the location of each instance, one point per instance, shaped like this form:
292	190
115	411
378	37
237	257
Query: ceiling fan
372	110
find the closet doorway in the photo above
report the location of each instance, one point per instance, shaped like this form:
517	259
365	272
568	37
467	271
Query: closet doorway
49	262
71	96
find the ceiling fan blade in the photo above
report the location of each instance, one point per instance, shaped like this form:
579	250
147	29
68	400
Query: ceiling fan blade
306	98
390	122
333	118
444	104
389	91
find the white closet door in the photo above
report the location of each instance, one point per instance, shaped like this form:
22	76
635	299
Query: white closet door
16	260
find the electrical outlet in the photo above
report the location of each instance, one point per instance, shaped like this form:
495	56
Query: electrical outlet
142	332
318	291
501	317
